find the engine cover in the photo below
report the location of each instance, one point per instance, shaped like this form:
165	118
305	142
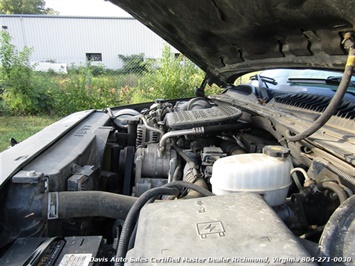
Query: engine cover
222	114
222	229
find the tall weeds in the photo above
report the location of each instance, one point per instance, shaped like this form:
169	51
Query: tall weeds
25	91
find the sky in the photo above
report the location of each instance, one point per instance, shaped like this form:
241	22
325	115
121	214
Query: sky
99	8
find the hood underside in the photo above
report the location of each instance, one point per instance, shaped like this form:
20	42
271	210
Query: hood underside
227	38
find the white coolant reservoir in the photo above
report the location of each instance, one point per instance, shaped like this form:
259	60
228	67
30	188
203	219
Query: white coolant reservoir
267	174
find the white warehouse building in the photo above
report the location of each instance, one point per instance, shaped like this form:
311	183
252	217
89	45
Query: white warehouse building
74	40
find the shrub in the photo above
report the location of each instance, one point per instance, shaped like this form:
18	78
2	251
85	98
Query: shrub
133	63
20	94
86	86
80	90
175	77
97	70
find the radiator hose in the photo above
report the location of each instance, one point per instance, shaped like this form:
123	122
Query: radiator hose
75	204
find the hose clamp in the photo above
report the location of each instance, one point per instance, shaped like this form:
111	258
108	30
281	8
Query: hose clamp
53	203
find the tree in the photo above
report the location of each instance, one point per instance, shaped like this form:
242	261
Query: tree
25	7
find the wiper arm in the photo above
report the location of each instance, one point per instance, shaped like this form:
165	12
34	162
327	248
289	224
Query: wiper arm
264	79
331	80
336	81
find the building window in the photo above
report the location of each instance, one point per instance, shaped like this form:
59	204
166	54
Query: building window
94	56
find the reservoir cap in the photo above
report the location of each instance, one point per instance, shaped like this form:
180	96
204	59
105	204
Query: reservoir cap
276	151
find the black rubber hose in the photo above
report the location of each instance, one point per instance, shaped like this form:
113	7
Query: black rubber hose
183	184
345	176
183	155
129	112
335	188
333	105
75	204
231	147
117	123
121	124
177	173
193	100
132	217
132	238
200	182
338	235
149	196
226	127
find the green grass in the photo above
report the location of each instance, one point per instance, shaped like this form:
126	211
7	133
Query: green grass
21	127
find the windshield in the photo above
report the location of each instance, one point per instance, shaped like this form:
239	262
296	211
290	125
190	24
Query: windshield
284	81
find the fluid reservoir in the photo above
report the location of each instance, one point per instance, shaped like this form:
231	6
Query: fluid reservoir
267	174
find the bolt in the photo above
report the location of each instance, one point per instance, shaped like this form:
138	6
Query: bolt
31	173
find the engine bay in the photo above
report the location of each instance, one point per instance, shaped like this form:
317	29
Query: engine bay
198	157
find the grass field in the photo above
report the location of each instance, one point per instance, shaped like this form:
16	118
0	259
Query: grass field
21	127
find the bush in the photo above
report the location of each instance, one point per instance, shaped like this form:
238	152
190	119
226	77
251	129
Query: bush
25	91
174	78
97	70
80	90
133	64
18	84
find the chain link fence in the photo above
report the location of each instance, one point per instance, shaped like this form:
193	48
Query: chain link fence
128	68
54	88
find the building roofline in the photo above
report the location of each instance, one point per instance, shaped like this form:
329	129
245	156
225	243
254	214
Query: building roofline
63	17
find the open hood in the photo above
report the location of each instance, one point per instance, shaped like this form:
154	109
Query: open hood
264	170
227	38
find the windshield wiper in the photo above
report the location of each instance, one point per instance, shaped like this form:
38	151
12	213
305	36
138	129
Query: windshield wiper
264	79
331	80
336	81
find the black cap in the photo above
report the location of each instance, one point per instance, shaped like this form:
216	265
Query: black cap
276	151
